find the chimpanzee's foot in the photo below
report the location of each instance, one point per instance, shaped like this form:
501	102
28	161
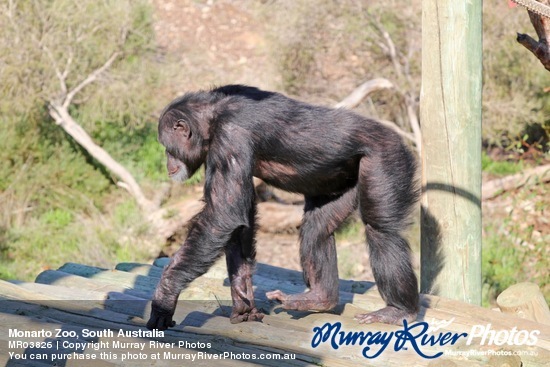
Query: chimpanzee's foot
250	314
312	300
386	315
242	293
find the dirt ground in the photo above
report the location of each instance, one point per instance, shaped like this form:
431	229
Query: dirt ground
216	42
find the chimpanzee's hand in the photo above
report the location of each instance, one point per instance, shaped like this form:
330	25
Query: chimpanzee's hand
161	317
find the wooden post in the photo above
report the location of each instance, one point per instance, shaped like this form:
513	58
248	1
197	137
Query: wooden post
526	301
450	112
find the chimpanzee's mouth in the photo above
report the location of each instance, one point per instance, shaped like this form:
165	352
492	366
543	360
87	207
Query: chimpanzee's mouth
174	171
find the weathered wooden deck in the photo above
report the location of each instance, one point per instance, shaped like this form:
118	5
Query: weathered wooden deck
76	298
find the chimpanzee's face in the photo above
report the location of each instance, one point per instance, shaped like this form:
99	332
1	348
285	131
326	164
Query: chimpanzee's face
183	149
177	170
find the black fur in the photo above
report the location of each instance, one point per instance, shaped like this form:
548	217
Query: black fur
337	159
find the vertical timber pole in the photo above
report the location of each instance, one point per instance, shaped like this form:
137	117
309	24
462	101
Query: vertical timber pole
450	112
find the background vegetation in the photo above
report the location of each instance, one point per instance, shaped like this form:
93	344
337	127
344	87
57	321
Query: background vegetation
58	204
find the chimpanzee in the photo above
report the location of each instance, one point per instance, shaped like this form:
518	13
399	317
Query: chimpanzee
336	158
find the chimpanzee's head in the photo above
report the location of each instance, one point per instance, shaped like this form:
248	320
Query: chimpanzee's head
183	131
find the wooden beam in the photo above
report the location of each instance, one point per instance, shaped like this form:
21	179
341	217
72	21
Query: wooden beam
450	111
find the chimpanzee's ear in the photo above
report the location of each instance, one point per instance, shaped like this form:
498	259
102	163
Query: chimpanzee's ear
183	127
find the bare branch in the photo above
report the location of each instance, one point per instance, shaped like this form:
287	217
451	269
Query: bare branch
123	36
384	47
60	76
406	61
413	120
539	49
10	10
403	73
363	91
88	33
388	47
67	66
392	52
124	186
541	23
89	79
496	187
396	128
62	117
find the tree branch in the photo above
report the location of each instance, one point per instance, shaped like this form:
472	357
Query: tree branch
361	92
496	187
402	71
60	76
89	79
62	117
67	66
392	52
396	128
58	110
413	120
541	48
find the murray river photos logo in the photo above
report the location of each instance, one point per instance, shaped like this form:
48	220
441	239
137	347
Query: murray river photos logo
417	336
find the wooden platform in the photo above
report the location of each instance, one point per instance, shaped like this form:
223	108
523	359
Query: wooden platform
80	302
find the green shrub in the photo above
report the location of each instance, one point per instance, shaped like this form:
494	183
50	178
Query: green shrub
60	235
56	201
135	147
500	168
515	247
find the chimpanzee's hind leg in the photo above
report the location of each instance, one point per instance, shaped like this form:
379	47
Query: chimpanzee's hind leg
387	194
240	254
322	216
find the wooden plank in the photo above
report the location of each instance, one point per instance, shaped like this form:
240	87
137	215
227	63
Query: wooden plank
128	280
263	270
99	319
141	269
64	293
59	278
218	271
265	335
84	309
74	297
440	309
281	330
105	343
161	262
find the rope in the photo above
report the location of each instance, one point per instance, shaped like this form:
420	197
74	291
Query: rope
535	7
